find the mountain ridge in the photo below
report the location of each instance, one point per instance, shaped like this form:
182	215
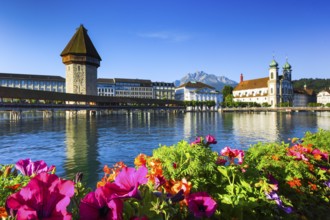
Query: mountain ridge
218	82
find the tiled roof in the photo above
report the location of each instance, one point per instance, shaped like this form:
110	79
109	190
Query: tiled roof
105	80
30	77
325	90
146	81
252	84
304	91
81	44
197	85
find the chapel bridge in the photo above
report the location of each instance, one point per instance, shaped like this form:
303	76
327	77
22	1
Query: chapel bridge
15	100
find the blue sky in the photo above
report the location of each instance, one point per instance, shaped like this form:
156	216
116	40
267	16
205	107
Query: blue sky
163	40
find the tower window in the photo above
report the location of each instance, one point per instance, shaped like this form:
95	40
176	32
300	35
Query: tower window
272	75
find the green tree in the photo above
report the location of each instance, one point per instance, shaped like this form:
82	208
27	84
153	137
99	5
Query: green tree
227	90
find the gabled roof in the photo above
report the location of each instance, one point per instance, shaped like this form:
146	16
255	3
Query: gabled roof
252	84
81	44
197	85
304	91
325	90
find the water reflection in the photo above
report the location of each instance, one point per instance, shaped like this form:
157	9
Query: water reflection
82	148
256	126
87	144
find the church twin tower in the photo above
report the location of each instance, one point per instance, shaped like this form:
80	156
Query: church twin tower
81	62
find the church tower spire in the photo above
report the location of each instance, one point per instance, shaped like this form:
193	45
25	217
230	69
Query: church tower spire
81	60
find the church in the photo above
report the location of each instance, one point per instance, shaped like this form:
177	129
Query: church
271	90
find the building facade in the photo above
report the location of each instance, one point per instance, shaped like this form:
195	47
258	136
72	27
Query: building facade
163	90
323	97
134	88
197	91
81	61
302	97
273	90
33	82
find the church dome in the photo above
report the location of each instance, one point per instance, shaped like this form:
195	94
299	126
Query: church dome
287	65
273	64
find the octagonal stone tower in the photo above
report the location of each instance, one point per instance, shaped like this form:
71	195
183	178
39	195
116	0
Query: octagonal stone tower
81	62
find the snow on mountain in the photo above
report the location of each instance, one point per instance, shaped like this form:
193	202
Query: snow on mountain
218	82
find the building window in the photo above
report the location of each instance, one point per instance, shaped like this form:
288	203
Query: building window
271	75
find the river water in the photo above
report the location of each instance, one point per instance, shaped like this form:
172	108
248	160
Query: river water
86	144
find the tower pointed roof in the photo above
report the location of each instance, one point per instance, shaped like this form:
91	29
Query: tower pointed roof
81	44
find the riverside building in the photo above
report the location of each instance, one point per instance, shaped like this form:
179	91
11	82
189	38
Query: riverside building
81	61
273	90
197	91
33	82
323	97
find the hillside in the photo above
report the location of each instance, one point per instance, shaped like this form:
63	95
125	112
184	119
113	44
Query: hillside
316	84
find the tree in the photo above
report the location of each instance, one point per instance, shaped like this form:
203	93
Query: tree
227	90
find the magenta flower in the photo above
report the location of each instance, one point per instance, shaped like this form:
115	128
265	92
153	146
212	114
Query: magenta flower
201	204
198	140
29	168
97	205
297	155
324	155
232	154
221	161
210	140
46	196
127	182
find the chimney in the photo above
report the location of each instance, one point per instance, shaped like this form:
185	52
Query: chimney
241	78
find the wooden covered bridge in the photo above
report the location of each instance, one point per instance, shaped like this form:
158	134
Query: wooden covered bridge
18	100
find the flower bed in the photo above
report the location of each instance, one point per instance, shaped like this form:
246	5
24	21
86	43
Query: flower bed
183	181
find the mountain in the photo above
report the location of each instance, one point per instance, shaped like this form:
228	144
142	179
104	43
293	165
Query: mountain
218	82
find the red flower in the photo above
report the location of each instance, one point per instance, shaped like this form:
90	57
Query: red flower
232	154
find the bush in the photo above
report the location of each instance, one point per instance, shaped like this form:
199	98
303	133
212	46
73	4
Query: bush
190	181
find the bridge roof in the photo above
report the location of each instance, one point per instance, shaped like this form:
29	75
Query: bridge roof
31	77
15	93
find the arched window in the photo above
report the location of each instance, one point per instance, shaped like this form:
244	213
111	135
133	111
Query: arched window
271	75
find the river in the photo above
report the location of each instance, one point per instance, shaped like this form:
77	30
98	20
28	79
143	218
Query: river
86	144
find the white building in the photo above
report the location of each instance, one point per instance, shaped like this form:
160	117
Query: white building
272	90
134	88
197	91
323	97
163	90
33	82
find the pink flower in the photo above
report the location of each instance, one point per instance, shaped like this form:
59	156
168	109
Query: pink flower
127	182
210	139
221	161
201	204
323	155
46	196
198	140
232	154
97	205
29	168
